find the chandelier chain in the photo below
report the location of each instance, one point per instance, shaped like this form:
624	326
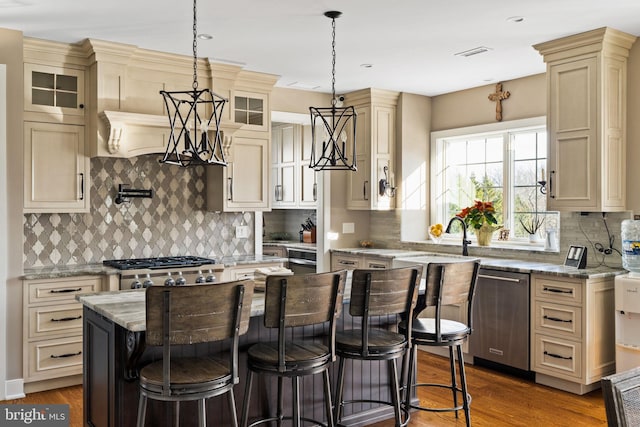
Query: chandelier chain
195	46
333	62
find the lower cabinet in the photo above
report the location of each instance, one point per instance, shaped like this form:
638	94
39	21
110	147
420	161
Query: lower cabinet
246	271
573	335
52	331
342	261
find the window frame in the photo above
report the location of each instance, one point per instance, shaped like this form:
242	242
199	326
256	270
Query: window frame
437	162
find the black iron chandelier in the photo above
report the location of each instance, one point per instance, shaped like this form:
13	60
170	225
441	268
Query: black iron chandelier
333	128
194	116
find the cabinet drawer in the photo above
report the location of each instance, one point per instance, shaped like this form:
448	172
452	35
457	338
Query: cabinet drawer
55	319
559	319
562	291
345	262
557	357
54	358
61	290
375	264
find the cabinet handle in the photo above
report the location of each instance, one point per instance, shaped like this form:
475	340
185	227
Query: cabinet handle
557	356
315	192
66	319
553	196
346	262
559	291
557	319
500	278
278	193
230	188
64	291
56	356
364	190
379	266
81	185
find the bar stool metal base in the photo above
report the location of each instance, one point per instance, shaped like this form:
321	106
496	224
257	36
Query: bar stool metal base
455	389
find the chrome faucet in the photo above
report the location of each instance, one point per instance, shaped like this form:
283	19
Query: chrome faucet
465	241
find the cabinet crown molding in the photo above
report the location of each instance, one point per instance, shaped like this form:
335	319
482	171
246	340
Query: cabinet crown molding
588	42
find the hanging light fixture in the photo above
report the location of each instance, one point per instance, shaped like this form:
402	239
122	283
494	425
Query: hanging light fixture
194	117
333	129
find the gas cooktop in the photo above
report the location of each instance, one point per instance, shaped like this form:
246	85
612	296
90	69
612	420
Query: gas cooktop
157	263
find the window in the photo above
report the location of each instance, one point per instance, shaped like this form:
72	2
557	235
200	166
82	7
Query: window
502	163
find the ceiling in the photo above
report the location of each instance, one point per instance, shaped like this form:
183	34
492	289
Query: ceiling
410	44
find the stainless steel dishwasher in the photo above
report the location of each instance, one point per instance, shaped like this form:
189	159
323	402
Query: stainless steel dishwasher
500	337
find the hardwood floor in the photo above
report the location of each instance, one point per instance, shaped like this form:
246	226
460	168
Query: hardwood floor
498	400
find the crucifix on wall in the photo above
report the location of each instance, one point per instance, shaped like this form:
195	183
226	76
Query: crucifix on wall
498	96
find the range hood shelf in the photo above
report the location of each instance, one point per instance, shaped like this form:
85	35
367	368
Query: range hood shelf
134	134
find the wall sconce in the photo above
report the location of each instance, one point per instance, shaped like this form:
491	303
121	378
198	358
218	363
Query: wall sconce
543	182
385	186
543	186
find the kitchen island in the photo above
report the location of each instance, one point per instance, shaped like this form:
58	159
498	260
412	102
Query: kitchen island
114	350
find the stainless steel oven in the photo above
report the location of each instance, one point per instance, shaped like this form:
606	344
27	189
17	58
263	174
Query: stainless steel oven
302	261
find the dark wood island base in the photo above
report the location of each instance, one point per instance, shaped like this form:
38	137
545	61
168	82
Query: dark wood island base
113	354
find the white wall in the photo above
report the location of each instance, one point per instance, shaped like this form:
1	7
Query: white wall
3	223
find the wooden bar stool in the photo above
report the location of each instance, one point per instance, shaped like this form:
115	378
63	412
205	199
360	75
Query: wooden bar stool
291	304
378	293
447	284
186	315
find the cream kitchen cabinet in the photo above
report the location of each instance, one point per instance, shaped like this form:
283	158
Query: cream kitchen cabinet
308	176
246	271
375	148
294	183
52	331
243	185
56	169
573	331
275	250
54	89
342	261
284	138
586	119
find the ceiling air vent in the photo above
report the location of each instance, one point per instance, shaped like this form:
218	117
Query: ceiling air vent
474	51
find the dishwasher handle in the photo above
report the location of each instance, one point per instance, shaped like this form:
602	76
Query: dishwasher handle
499	278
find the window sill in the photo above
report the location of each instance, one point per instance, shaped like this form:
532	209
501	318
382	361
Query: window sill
495	244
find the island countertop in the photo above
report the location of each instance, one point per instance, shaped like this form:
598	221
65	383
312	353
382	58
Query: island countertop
127	308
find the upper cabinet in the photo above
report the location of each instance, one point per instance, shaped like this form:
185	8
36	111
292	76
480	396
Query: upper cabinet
54	89
293	182
375	145
586	117
56	167
244	184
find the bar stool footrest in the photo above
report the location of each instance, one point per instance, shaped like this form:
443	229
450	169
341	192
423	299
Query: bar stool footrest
276	419
447	409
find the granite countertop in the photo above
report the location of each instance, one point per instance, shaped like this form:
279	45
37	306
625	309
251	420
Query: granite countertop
59	271
519	266
383	253
290	244
514	265
127	308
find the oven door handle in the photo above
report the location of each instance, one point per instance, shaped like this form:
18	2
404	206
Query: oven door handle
297	261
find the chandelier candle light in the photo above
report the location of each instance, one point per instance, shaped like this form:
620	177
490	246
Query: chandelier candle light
194	117
336	126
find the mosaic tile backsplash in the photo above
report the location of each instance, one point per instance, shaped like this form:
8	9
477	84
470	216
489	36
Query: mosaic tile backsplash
173	222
